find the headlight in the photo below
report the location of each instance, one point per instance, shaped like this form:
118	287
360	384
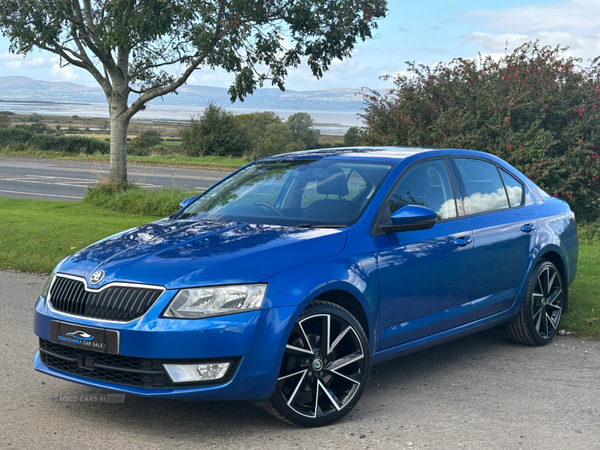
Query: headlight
216	301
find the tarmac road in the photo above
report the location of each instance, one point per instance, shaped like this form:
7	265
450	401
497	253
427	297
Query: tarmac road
479	392
47	179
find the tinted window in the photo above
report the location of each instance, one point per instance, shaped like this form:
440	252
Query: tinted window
428	185
485	191
514	189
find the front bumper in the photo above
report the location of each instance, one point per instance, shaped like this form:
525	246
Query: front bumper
257	337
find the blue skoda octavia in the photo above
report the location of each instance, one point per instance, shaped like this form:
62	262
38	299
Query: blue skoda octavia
286	281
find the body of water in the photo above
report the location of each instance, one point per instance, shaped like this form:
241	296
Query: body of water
328	122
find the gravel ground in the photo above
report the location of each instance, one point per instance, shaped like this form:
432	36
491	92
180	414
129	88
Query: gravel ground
477	392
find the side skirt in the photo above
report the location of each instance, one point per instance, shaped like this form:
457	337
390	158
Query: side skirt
443	336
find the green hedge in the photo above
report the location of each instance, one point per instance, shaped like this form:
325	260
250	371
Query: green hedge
24	137
536	108
14	135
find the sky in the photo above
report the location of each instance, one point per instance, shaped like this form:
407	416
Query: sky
426	31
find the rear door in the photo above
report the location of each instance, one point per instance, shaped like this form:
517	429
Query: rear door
504	229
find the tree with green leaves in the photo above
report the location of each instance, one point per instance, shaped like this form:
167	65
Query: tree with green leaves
254	126
138	50
301	125
213	133
278	138
352	137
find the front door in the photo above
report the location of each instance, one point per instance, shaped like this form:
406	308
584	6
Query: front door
423	274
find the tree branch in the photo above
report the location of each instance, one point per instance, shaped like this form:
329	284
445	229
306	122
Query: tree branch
157	92
91	39
91	68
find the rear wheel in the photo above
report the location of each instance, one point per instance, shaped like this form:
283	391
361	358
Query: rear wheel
542	308
325	367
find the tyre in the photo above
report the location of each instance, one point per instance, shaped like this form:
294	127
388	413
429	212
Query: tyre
542	308
325	367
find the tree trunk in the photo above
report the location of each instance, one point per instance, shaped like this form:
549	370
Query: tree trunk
119	123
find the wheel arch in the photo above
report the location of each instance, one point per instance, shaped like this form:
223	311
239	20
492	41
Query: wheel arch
350	303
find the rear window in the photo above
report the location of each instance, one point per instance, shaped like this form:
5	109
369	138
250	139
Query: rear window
514	189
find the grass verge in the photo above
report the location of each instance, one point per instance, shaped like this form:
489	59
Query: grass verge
583	318
36	234
133	200
204	162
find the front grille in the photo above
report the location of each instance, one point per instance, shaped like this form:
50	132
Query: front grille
116	303
127	370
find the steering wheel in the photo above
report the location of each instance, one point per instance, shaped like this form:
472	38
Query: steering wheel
269	207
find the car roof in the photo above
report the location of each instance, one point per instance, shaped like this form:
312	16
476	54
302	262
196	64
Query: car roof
391	154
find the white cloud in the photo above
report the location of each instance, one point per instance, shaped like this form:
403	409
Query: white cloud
19	62
209	77
496	43
572	23
65	72
570	14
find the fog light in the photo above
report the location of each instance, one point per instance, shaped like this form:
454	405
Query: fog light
184	373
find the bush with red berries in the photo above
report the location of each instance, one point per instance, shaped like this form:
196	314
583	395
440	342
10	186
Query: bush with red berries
536	108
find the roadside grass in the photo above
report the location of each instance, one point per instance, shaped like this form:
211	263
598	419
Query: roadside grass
133	200
583	317
201	162
36	234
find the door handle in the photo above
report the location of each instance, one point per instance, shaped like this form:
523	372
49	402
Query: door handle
528	228
461	242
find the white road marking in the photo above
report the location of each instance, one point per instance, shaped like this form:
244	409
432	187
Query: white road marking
65	181
45	195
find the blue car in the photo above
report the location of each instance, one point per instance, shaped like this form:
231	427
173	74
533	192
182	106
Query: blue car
286	281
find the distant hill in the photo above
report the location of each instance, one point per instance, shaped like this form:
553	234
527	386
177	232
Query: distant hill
15	88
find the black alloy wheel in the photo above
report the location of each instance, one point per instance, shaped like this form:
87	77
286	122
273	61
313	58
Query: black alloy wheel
325	367
542	308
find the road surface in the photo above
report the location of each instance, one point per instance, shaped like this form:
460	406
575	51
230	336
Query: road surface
479	392
68	180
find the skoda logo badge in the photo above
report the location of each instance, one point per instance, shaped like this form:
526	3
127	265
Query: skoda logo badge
317	365
97	277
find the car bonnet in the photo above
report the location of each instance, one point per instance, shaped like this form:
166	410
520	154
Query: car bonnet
176	253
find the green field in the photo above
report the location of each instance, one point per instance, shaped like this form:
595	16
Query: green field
36	234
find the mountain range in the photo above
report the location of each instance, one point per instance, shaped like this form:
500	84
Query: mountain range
25	89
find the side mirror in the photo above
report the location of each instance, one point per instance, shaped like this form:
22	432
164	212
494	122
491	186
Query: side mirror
410	218
187	201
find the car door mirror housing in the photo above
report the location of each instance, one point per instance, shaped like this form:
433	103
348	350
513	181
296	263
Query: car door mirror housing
410	218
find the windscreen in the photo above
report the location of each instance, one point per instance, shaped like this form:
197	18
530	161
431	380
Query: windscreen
293	192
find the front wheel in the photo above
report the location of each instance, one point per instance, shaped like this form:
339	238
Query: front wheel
542	308
325	367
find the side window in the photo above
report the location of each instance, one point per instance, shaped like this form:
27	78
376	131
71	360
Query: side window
514	189
426	184
485	190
